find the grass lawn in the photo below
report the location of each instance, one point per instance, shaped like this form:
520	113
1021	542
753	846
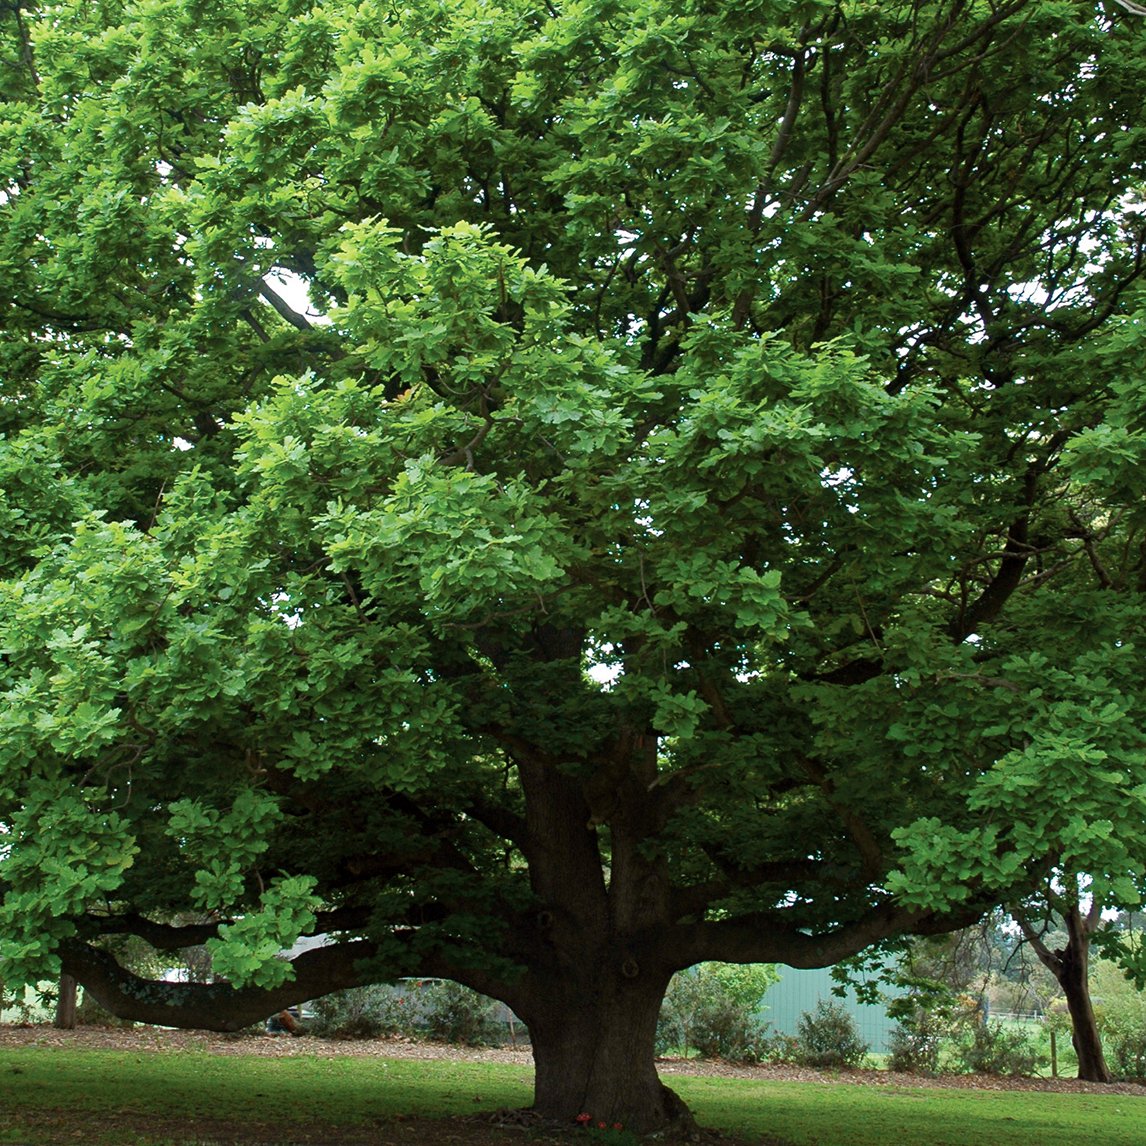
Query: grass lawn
811	1114
53	1094
99	1089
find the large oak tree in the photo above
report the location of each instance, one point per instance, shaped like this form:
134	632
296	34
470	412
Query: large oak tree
694	512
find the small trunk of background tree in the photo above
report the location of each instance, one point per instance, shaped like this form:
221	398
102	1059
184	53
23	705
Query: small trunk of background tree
67	992
1084	1028
1070	966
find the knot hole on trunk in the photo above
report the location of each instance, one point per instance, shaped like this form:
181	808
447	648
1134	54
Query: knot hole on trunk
630	968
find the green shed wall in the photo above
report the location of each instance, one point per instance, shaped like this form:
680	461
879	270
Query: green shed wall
799	991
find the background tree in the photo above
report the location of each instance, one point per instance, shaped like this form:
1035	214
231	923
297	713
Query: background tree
1070	963
1036	955
696	516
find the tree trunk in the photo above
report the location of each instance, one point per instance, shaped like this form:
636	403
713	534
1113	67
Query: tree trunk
1074	980
599	971
1084	1034
65	1018
1070	966
595	1055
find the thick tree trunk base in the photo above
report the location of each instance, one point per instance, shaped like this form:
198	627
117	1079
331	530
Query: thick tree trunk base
595	1062
662	1112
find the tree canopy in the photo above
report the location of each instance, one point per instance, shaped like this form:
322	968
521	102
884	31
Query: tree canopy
546	494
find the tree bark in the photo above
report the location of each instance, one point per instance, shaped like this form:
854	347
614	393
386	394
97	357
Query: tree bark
1074	962
65	1019
211	1006
1084	1034
595	1055
1070	966
599	971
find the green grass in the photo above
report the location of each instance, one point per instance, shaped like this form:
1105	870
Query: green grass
99	1086
94	1088
814	1114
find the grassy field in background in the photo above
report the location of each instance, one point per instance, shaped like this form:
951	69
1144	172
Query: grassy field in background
93	1095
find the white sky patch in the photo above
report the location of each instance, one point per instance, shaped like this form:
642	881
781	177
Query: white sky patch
604	666
294	290
281	605
605	675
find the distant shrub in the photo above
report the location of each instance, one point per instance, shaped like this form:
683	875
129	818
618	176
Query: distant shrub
1123	1028
914	1050
774	1047
362	1013
828	1036
991	1048
435	1009
711	1009
928	1019
456	1014
25	1009
725	1030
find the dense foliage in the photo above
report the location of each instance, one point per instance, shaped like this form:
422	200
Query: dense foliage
695	513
